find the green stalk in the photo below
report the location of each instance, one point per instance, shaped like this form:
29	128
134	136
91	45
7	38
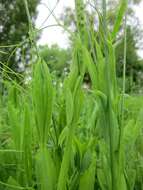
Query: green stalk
63	176
28	14
124	73
109	104
123	91
31	29
81	21
121	144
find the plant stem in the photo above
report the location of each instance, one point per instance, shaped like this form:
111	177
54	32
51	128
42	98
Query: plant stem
31	29
124	71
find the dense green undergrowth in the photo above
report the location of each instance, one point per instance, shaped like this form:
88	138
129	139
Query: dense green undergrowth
71	138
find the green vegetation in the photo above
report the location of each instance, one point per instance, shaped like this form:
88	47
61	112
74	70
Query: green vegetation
134	70
66	137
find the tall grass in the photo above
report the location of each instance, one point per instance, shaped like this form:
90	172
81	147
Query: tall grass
70	138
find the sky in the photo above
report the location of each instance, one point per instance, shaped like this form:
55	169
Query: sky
54	34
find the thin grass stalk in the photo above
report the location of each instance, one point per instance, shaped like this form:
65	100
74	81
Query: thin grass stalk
121	132
58	23
124	72
56	4
29	19
123	86
31	29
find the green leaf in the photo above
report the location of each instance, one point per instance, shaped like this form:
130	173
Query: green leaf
69	106
87	180
91	67
63	136
119	17
42	96
45	170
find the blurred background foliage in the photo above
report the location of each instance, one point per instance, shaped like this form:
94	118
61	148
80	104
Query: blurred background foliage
14	30
14	33
58	59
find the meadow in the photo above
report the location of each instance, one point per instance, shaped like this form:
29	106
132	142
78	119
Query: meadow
55	137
